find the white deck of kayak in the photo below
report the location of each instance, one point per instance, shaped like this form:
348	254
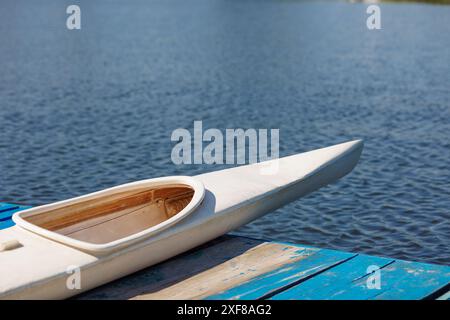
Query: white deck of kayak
233	267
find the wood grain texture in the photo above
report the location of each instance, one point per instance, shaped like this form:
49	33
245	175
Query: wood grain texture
69	215
174	270
256	261
208	270
286	276
79	212
96	220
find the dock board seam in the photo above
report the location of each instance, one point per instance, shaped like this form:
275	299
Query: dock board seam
297	282
381	268
438	293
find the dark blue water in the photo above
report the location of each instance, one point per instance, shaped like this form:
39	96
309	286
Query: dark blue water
89	109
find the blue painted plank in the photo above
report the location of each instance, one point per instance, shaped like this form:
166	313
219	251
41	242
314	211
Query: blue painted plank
6	212
400	280
5	207
333	281
6	215
279	279
412	280
6	224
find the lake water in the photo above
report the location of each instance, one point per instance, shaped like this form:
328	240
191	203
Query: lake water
89	109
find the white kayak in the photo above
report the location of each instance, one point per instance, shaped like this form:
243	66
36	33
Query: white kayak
108	234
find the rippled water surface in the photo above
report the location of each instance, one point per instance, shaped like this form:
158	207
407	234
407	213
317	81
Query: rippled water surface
89	109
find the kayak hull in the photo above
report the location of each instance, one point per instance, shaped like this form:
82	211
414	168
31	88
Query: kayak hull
232	198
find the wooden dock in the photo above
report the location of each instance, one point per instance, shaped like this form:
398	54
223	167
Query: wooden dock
233	267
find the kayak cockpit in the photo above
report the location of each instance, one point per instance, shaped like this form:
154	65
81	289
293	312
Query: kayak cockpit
115	216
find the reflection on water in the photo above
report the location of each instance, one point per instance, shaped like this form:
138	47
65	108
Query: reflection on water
89	109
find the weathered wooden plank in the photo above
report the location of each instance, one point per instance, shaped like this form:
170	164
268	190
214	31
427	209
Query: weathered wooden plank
258	260
282	278
171	271
334	281
203	272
